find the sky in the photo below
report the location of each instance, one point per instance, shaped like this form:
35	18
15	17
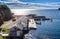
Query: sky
25	6
36	1
40	1
32	3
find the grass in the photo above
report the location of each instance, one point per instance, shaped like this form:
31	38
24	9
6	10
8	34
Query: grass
7	24
1	37
5	30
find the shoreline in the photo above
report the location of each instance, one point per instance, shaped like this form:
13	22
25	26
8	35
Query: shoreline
21	11
24	11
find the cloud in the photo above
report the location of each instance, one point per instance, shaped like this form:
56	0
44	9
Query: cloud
19	4
10	0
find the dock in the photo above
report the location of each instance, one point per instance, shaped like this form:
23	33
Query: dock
38	18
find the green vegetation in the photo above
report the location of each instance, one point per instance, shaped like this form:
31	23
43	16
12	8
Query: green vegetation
5	30
1	37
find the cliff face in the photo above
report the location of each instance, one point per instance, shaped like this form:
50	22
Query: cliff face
5	13
1	20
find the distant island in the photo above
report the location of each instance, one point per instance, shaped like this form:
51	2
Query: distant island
58	8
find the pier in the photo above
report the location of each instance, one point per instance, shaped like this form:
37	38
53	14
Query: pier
38	18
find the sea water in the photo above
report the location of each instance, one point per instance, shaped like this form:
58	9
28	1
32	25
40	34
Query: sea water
48	29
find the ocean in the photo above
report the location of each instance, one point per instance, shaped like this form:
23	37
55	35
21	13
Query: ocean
48	29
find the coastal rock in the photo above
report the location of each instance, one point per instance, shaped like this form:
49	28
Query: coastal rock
5	13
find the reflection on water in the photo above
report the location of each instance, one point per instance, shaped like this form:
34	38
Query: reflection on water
48	29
